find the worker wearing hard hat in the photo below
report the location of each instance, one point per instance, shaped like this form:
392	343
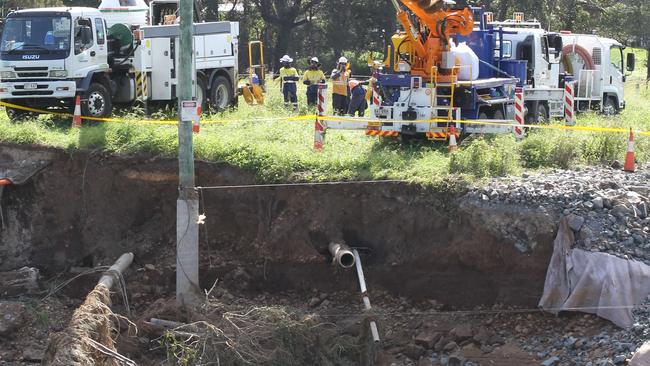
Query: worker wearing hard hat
358	102
340	77
288	77
312	78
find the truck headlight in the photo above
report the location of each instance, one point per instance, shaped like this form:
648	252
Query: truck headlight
58	74
7	75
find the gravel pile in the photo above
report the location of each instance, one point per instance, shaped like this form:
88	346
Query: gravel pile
607	208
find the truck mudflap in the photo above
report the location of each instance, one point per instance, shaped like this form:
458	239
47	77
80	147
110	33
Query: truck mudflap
57	89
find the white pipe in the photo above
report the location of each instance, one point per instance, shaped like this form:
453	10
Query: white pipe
342	254
364	292
122	263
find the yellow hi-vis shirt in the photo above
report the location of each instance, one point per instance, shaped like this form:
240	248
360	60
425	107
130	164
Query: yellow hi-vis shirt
288	71
340	85
314	76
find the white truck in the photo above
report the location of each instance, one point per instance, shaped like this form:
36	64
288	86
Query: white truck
48	56
595	63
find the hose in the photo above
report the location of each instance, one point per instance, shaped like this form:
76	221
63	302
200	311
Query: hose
580	51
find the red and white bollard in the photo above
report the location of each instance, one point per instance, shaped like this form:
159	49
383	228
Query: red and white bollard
519	113
569	103
320	125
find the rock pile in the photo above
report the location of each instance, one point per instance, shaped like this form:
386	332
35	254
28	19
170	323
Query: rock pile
608	209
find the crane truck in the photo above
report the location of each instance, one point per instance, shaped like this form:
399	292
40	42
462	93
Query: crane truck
422	89
49	56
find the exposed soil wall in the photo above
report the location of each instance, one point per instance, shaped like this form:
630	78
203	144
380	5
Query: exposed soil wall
87	208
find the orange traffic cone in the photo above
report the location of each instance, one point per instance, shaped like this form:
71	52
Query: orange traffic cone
196	127
629	157
452	139
76	118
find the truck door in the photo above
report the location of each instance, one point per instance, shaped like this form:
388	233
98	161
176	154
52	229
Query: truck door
543	65
87	54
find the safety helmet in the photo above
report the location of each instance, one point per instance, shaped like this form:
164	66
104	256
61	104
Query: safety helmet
314	59
353	83
286	58
343	60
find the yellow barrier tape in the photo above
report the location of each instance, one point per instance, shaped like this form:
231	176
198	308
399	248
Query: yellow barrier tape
342	119
489	123
157	122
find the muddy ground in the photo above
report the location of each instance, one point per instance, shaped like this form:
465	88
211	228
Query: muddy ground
428	252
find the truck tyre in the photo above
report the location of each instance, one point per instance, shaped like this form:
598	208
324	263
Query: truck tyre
498	113
609	107
18	115
220	93
542	113
98	102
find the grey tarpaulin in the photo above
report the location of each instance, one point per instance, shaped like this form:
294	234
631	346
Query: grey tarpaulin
597	283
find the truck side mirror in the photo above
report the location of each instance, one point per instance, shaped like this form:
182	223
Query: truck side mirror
630	62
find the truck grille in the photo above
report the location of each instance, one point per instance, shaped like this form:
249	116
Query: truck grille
32	92
31	72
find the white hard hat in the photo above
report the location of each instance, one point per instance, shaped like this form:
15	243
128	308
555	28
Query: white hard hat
286	58
343	60
314	59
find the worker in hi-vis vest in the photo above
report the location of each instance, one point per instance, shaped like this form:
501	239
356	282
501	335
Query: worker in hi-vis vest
288	77
340	77
312	78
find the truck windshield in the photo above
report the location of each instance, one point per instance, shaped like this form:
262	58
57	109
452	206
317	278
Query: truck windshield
36	35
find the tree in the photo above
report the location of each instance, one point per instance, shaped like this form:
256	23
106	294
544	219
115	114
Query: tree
283	17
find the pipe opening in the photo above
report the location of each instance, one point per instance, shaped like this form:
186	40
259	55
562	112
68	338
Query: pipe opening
346	259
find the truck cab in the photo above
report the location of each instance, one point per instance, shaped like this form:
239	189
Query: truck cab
598	65
49	55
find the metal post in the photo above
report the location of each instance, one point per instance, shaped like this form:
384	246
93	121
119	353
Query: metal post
187	205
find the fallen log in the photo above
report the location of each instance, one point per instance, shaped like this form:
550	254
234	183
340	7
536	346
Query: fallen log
88	338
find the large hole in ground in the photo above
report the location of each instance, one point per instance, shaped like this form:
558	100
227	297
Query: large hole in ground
417	243
420	245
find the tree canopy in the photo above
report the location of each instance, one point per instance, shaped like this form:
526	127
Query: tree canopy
355	28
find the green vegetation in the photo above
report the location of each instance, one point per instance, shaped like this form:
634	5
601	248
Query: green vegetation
259	139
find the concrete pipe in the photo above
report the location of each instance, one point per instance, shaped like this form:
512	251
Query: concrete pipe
342	254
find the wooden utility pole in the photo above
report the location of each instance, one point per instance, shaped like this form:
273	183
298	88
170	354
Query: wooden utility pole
187	205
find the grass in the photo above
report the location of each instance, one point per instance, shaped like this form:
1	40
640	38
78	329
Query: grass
281	150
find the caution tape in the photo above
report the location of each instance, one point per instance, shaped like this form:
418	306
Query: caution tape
158	122
311	117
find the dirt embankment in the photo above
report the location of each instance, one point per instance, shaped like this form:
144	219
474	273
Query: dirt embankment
87	208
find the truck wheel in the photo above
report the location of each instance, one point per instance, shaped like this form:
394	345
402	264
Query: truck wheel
18	115
610	108
98	102
498	113
220	93
542	113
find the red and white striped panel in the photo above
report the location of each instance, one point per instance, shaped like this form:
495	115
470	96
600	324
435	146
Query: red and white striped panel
519	113
375	99
319	125
569	103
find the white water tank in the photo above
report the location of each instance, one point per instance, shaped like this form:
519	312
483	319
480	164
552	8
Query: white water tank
467	60
127	12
